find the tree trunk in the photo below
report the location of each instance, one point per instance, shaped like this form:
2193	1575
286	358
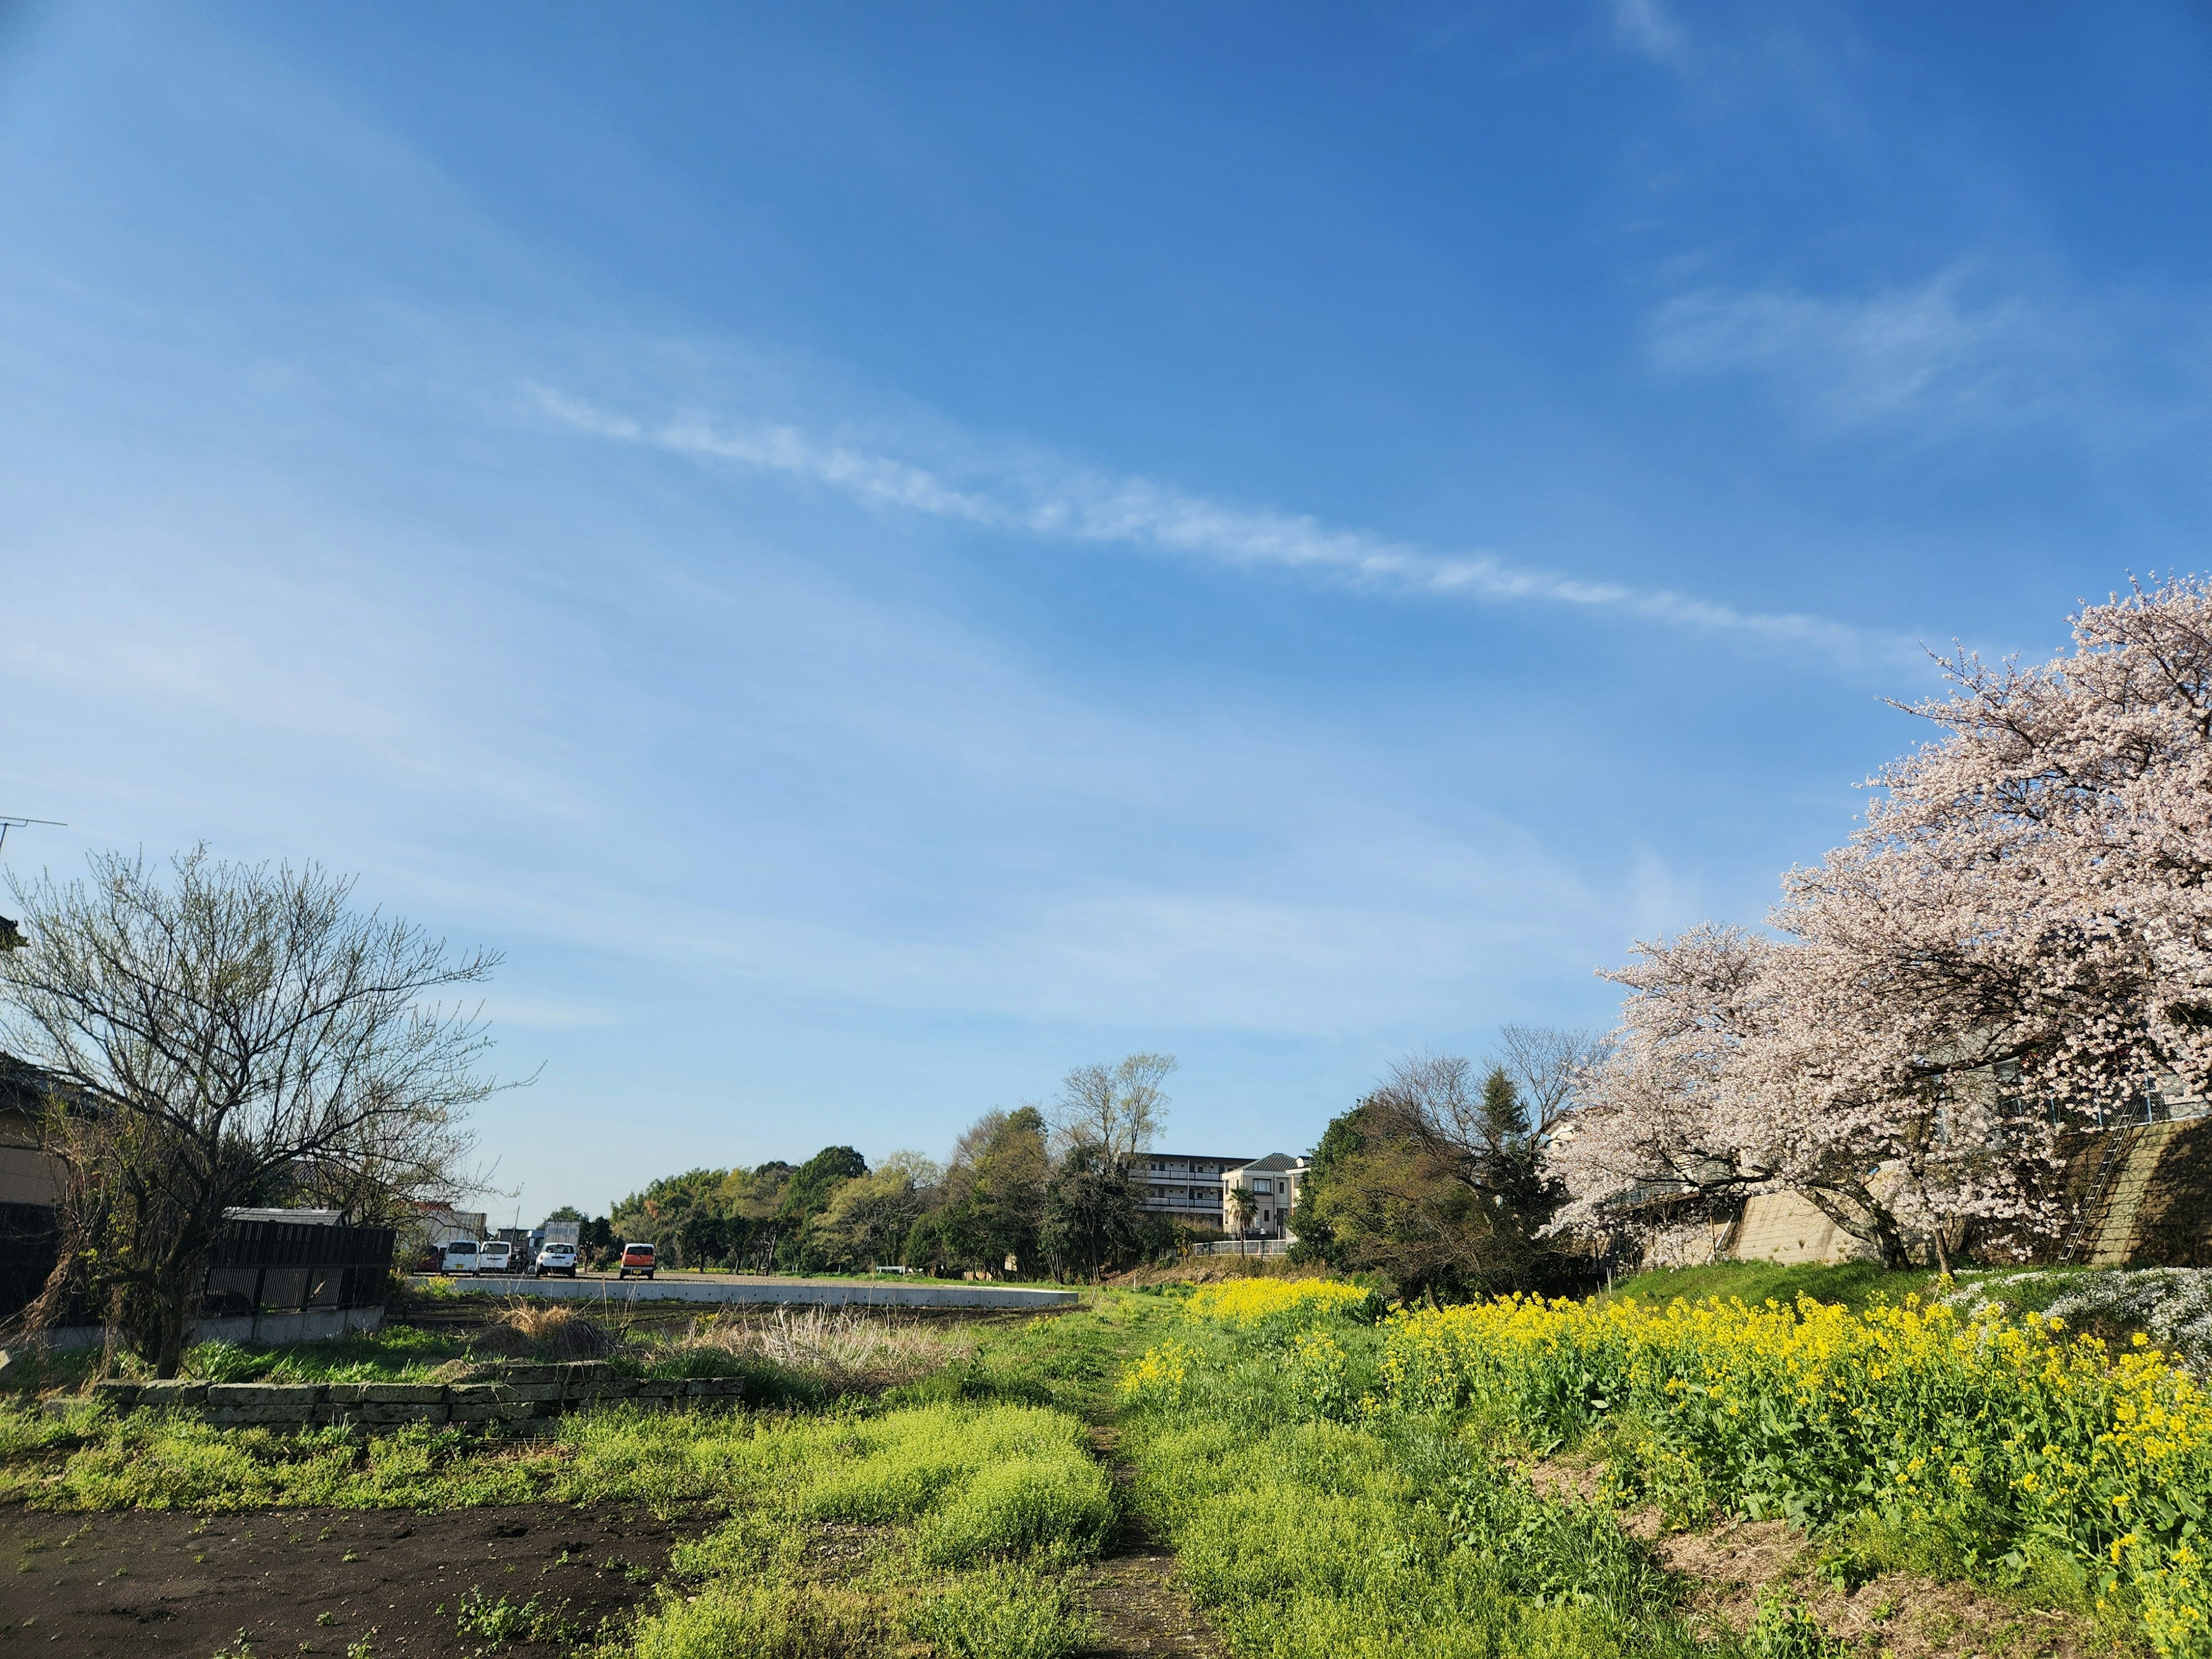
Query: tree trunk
1889	1239
170	1355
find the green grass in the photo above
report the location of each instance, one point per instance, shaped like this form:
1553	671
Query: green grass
970	1494
972	1513
1311	1530
392	1353
1854	1283
1067	1361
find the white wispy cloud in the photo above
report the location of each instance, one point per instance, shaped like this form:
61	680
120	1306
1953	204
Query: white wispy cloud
1951	347
1021	496
1646	26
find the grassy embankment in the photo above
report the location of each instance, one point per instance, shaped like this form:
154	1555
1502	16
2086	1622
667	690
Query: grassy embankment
942	1513
1338	1485
1334	1483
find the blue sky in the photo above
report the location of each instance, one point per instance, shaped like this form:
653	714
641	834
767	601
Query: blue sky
881	552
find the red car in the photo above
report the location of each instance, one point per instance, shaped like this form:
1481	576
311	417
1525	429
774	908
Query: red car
636	1259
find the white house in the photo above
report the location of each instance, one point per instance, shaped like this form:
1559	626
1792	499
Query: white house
1270	1186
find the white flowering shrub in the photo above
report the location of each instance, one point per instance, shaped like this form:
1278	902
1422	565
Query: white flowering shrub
2173	1304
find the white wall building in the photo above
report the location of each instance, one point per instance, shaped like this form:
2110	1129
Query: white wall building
1270	1186
1184	1187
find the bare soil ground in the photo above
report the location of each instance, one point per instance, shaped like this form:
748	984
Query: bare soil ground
1130	1591
1900	1615
314	1581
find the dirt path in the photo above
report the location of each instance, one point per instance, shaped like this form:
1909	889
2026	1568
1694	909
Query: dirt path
381	1582
1131	1590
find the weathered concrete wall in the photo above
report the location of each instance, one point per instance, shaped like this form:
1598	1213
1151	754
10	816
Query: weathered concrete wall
2161	1210
315	1324
831	1292
1785	1227
510	1393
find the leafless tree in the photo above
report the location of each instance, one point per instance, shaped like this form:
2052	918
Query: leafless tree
1547	1063
1116	1109
226	1035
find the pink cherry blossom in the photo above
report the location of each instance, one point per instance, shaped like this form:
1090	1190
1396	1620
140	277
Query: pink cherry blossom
2017	941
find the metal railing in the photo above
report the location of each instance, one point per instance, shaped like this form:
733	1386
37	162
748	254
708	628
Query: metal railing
1243	1247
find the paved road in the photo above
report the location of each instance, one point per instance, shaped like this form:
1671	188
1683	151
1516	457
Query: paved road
885	1292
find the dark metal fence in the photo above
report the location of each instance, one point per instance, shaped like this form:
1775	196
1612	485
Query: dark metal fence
29	1243
287	1266
264	1266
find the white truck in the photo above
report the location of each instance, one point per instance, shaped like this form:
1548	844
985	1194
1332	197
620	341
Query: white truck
564	1241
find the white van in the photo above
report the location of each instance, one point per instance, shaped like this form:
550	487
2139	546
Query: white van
495	1255
458	1256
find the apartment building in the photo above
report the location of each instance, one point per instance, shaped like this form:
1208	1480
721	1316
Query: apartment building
1270	1186
1184	1187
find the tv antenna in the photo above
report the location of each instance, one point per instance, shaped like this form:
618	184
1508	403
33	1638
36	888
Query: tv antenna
8	824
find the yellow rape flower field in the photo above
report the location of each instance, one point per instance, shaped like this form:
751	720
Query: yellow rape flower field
2010	1452
1249	1301
2016	1433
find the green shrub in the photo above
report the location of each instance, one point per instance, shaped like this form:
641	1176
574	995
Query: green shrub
1002	1612
770	1619
1060	1508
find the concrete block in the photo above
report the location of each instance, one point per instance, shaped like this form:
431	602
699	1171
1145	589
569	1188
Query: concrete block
486	1411
535	1390
345	1393
389	1414
117	1393
241	1417
303	1396
175	1395
605	1388
478	1394
717	1387
344	1416
531	1375
578	1372
663	1388
404	1394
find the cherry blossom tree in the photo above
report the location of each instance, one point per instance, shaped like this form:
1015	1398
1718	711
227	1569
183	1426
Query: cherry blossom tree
2017	940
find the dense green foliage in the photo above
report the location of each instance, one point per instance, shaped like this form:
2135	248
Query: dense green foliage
1437	1186
993	1206
759	1220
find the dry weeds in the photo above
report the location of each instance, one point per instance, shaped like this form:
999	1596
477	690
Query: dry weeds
853	1350
548	1330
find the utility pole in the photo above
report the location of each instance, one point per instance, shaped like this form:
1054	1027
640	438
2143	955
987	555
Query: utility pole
11	938
8	824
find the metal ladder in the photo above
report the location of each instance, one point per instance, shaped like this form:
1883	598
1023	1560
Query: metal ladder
2088	1224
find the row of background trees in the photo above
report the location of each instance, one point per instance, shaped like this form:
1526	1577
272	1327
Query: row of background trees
1435	1181
1042	1189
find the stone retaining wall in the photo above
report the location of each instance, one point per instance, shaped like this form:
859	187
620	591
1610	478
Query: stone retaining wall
515	1394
